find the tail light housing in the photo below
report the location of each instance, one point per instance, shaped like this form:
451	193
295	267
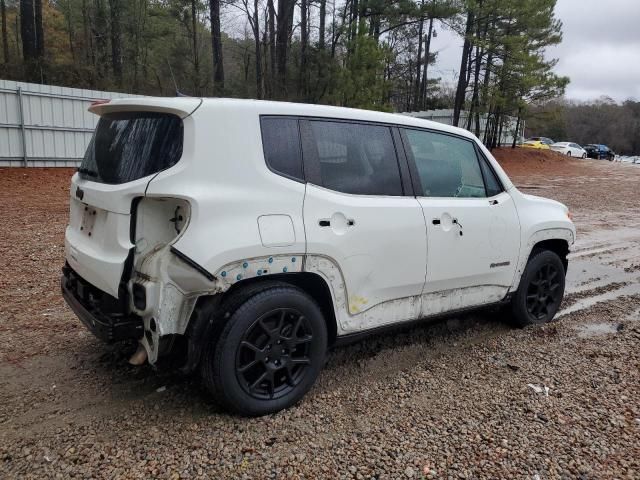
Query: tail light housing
159	222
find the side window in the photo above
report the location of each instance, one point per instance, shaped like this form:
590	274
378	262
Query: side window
356	158
491	182
281	144
447	165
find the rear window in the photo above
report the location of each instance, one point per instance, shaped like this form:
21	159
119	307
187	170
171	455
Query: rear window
127	146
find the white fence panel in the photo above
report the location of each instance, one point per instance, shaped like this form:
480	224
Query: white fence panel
45	125
49	126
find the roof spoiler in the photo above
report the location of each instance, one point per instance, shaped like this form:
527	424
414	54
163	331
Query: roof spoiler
181	106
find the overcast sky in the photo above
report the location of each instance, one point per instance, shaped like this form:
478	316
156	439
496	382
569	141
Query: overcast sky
600	49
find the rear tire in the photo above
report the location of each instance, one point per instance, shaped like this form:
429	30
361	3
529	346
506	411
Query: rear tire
540	291
269	352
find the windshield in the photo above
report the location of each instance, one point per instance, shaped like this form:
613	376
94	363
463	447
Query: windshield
127	146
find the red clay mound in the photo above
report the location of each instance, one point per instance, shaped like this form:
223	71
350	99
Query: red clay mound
526	154
526	161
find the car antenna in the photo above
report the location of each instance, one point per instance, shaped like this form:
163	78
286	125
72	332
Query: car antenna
178	92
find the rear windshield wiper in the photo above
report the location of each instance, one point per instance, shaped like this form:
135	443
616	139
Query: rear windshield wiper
87	172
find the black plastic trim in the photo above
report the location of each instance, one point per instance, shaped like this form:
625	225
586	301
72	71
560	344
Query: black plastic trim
310	161
411	162
108	327
193	264
403	163
483	159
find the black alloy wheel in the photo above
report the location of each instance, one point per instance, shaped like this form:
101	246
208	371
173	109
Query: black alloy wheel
543	291
268	351
273	355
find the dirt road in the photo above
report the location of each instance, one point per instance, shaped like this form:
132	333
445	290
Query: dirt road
446	400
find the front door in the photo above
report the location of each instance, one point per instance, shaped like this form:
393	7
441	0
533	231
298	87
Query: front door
356	215
473	231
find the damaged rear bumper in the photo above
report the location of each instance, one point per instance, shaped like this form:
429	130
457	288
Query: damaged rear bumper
101	313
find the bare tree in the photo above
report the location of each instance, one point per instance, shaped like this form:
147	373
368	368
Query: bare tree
283	38
464	64
39	29
5	40
216	46
322	26
251	11
28	31
427	58
196	55
304	40
116	35
416	93
271	24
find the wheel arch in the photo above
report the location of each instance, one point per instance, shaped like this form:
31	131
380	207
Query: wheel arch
558	246
210	310
309	282
557	240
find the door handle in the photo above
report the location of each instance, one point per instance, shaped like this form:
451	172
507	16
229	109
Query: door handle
327	223
436	221
456	222
493	202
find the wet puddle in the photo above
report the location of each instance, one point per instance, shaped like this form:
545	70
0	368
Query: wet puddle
597	261
596	329
584	303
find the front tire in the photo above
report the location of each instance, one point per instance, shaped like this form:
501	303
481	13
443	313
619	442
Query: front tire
540	291
269	352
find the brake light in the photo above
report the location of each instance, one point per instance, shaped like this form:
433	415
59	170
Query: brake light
569	215
100	102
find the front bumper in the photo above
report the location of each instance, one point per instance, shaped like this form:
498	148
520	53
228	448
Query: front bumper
101	313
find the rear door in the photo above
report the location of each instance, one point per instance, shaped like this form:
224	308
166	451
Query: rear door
473	230
127	149
357	214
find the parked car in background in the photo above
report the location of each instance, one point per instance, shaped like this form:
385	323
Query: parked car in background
599	152
545	140
535	144
570	149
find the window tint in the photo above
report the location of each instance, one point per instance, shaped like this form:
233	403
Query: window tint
491	182
127	146
356	158
447	166
281	144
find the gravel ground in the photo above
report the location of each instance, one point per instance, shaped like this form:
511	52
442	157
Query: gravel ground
443	400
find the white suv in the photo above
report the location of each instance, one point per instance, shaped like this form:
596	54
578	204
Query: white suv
251	236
